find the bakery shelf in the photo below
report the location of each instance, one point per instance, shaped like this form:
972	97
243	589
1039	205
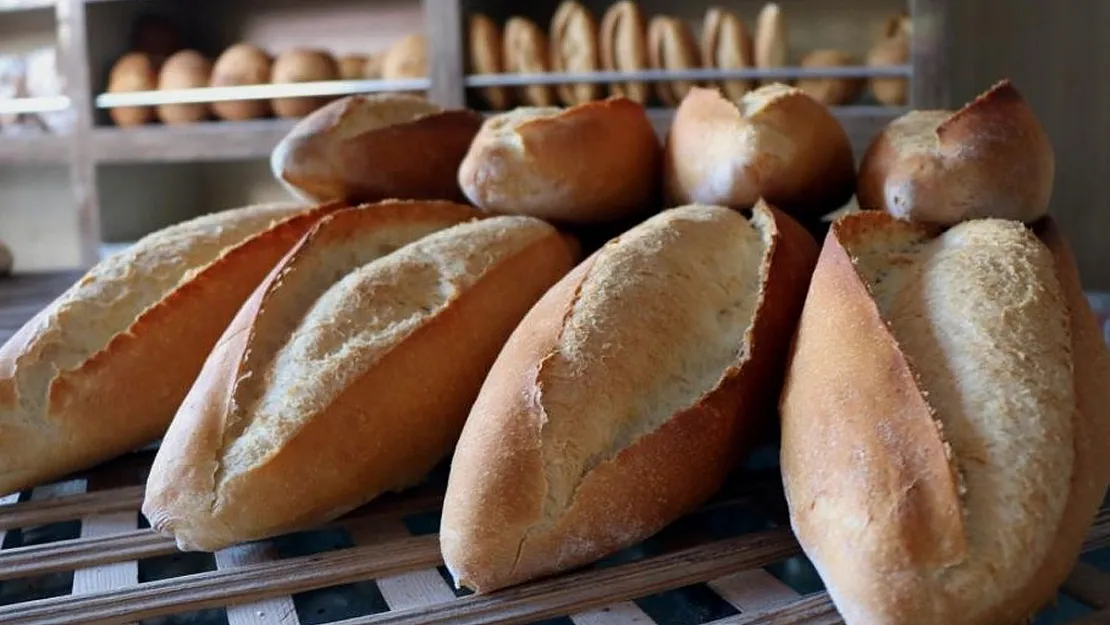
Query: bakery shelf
334	88
34	148
7	6
200	142
657	75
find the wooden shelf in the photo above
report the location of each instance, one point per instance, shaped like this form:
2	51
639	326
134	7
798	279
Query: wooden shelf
204	142
34	148
24	5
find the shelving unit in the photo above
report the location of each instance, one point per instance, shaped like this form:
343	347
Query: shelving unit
93	145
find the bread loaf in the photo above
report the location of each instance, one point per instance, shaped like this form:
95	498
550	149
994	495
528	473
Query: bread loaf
241	64
101	370
772	49
726	44
369	148
302	65
623	47
187	69
776	143
992	158
611	411
134	71
407	58
352	66
484	46
573	41
831	91
892	48
671	46
591	163
944	421
369	341
525	52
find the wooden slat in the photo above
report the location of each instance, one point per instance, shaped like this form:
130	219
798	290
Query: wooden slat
274	610
753	591
7	500
596	588
68	508
200	142
410	590
234	586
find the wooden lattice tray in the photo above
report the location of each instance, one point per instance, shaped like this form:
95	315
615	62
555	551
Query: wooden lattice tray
79	551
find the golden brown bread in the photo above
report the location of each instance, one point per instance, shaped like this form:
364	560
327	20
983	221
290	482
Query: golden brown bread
892	48
369	148
525	52
407	58
726	44
370	341
943	385
591	163
302	65
134	71
623	47
187	69
611	411
241	64
776	143
831	91
486	57
88	378
671	46
992	158
771	44
352	66
573	40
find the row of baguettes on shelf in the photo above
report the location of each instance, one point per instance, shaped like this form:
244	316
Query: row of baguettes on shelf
246	64
625	41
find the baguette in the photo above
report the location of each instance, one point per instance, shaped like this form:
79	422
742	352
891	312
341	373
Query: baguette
592	163
892	48
611	411
484	45
623	47
370	341
671	46
101	370
944	420
992	158
369	148
771	47
573	41
525	51
726	44
776	143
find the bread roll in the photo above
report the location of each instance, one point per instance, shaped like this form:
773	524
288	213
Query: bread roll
671	46
369	148
525	51
611	411
776	143
372	69
771	45
726	44
486	57
370	341
187	69
944	421
302	65
831	91
574	50
101	370
241	64
623	47
591	163
134	71
406	59
893	48
352	66
991	158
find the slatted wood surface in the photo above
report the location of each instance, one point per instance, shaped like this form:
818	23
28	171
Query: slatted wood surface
79	551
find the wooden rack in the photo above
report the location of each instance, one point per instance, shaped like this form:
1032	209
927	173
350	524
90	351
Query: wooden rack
88	145
79	552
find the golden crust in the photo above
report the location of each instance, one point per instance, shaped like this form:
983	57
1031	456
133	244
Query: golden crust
623	47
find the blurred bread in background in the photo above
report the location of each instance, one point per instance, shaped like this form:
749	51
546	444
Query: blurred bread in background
302	65
187	69
241	64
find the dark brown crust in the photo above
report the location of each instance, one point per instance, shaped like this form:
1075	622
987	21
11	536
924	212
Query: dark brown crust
415	160
647	485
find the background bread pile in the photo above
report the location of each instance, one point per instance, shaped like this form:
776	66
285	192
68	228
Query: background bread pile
160	64
624	39
593	327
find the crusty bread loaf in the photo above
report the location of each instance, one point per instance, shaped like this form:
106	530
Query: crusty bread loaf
892	48
727	44
943	424
831	91
991	158
370	148
484	43
574	49
671	46
301	65
241	64
590	163
101	370
525	51
771	46
776	143
623	47
187	69
612	411
134	71
349	371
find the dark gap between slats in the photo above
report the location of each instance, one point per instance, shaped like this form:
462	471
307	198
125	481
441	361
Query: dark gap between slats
214	616
335	603
175	565
689	605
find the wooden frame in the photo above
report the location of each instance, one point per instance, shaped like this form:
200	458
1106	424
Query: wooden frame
88	145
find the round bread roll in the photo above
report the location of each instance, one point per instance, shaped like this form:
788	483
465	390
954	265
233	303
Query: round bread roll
187	69
241	64
591	163
574	50
831	91
771	44
893	48
302	65
991	158
407	58
369	148
525	52
352	66
484	45
372	68
726	44
671	46
135	71
623	47
776	143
